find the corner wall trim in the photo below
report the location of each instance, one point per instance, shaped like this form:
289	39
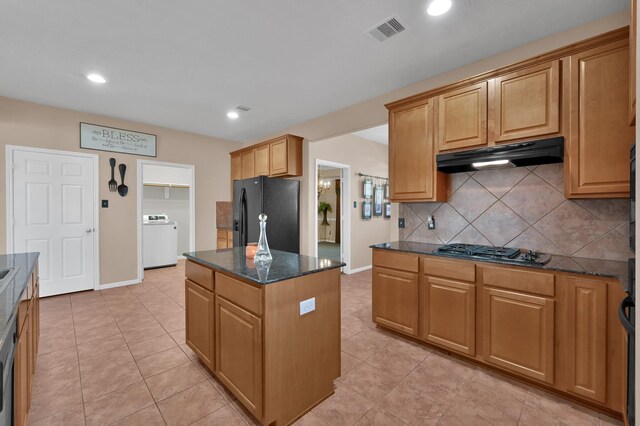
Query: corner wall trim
355	271
119	284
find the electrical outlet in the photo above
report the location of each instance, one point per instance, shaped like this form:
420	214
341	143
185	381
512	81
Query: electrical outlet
307	306
401	222
431	222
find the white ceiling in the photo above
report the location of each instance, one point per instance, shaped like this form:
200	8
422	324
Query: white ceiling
378	134
184	64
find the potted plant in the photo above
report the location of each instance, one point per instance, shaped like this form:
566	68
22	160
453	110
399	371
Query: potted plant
324	207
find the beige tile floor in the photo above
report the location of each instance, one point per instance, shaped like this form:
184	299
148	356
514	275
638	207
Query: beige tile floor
118	357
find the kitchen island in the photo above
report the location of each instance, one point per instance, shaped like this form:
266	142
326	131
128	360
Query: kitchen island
271	334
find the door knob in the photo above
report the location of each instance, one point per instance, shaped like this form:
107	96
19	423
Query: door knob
88	230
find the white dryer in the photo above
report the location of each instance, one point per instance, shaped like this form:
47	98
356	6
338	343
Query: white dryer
159	241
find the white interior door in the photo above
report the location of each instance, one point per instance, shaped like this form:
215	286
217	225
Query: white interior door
53	212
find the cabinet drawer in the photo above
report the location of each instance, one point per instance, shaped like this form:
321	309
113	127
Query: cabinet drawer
401	261
244	295
200	275
446	268
515	279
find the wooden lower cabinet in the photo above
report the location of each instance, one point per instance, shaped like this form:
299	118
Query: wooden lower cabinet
449	317
200	322
557	330
239	353
395	299
21	378
586	338
519	333
27	343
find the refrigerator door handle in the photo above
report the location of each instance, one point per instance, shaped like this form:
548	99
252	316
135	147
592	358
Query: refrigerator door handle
243	218
626	303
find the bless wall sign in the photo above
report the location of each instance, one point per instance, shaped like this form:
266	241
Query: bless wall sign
117	140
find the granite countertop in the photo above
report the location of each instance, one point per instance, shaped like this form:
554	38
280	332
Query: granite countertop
284	266
10	294
578	265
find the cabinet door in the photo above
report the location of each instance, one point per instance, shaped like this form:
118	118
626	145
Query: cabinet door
633	33
519	333
395	299
236	167
412	169
199	322
279	158
239	353
248	164
21	380
586	338
262	160
461	118
448	314
526	103
599	134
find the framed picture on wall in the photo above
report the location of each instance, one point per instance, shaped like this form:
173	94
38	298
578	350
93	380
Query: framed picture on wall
366	209
367	189
377	200
387	210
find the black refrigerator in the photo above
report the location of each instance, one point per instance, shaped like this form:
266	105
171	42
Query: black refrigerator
279	199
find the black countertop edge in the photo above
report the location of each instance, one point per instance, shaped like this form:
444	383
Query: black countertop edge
10	295
284	265
577	265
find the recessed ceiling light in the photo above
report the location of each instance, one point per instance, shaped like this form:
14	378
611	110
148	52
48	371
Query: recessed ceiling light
233	115
96	78
438	7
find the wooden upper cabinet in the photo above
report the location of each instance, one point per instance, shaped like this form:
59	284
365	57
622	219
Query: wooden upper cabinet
248	164
586	337
600	138
236	167
525	103
519	333
412	164
285	156
633	32
461	118
395	296
262	160
448	314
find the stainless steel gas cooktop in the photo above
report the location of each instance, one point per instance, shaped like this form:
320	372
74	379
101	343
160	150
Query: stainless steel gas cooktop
505	254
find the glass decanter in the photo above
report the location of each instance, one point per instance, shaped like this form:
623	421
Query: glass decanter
263	254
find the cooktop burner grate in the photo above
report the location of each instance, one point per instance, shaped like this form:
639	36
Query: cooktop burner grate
488	252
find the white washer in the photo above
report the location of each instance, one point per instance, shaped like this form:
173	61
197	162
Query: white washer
159	241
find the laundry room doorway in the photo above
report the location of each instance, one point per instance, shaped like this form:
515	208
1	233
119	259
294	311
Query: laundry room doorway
166	213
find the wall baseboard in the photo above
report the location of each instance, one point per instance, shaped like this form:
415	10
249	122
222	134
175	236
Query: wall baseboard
118	284
355	271
181	257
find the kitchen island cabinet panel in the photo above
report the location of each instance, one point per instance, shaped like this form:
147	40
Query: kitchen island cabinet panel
277	360
199	311
586	328
519	333
395	299
239	353
449	315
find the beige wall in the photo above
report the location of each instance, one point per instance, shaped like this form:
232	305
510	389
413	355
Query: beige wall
28	124
363	156
372	112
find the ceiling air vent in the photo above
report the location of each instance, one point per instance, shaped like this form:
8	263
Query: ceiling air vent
243	108
385	29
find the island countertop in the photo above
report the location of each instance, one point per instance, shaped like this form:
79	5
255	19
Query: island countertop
284	266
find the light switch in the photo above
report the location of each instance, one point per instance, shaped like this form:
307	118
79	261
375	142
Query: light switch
307	306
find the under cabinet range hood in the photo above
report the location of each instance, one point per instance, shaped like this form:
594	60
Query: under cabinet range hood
531	153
